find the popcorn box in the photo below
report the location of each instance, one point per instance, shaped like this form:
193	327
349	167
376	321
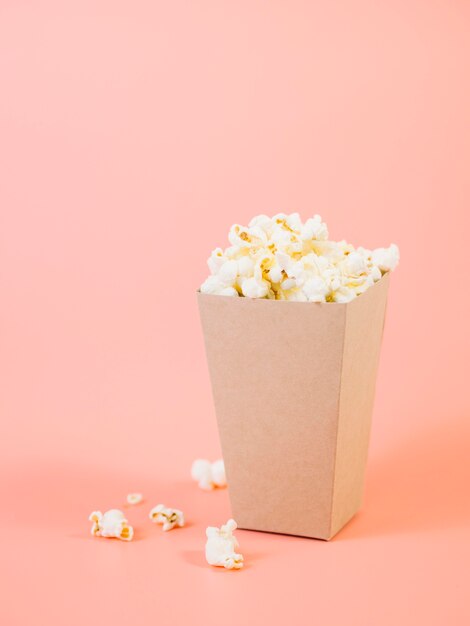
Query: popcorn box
293	387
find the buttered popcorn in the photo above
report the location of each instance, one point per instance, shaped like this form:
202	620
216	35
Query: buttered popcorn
170	518
281	258
111	524
221	546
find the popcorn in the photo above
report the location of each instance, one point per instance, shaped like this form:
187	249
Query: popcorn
314	228
386	259
355	264
281	258
245	266
111	524
216	260
247	237
213	285
134	498
228	272
253	288
221	546
315	289
170	518
209	475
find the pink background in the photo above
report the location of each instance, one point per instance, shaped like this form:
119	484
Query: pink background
132	135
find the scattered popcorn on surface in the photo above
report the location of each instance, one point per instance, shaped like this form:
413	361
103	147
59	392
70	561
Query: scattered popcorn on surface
281	258
134	498
170	518
209	475
111	524
221	546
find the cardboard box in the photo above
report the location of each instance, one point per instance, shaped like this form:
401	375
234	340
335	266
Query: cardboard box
293	386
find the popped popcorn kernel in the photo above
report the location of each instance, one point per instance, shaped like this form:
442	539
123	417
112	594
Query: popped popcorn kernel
221	546
386	259
111	524
170	518
281	258
134	498
209	475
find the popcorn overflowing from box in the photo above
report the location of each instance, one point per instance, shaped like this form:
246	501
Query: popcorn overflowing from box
282	258
293	355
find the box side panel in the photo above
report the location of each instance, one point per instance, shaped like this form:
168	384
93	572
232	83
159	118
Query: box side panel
364	327
275	369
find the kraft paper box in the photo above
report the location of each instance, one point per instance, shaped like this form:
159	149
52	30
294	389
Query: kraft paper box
293	386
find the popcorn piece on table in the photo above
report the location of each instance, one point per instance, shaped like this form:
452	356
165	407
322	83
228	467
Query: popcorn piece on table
170	518
134	498
209	475
111	524
281	258
221	546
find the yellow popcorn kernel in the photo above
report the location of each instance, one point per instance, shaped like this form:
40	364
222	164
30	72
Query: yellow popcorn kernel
134	498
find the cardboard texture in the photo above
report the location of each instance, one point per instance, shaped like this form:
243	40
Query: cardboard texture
293	386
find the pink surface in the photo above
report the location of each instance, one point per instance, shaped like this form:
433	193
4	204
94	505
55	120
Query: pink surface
132	135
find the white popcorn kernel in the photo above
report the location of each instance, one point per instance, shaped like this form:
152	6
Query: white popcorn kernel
211	285
221	546
232	252
253	288
216	260
332	278
314	228
282	238
214	286
365	252
111	524
363	285
238	236
294	222
284	261
355	264
288	283
386	259
263	264
245	267
375	273
170	518
218	473
346	248
134	498
296	295
275	274
228	291
209	475
261	221
344	294
247	237
298	271
315	289
228	273
201	471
